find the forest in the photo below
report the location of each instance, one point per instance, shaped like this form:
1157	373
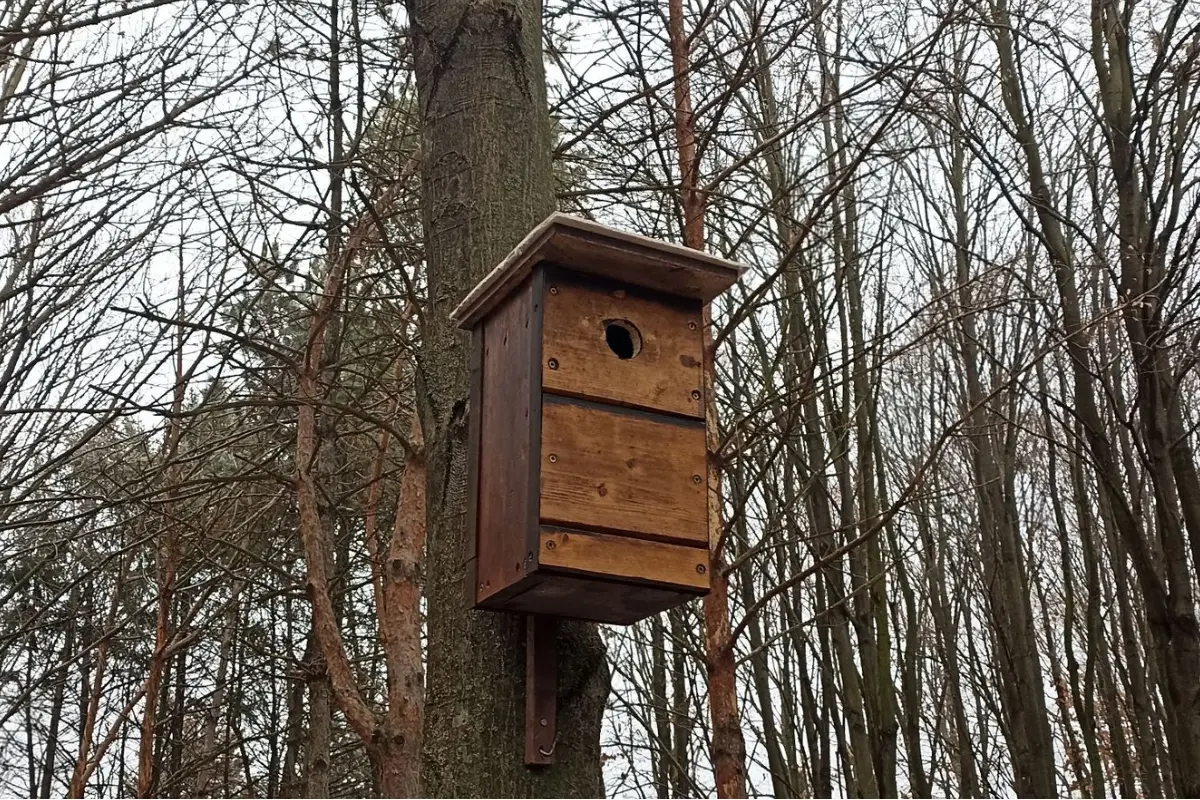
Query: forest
953	467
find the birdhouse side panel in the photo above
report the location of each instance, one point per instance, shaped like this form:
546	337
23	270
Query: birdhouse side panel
510	412
613	344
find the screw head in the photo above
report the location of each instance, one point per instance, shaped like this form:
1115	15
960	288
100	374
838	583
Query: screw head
701	569
696	479
695	394
691	326
551	544
552	363
553	458
543	722
553	290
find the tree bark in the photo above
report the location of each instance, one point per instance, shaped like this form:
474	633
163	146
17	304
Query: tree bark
728	745
56	709
167	563
486	174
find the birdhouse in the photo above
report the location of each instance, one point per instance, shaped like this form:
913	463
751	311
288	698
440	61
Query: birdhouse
587	484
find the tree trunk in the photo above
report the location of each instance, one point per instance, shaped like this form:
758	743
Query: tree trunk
728	745
56	708
661	750
207	770
316	743
681	717
487	181
167	564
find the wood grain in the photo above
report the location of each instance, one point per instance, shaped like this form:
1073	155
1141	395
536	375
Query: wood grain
505	446
474	421
669	565
623	471
594	599
595	249
665	375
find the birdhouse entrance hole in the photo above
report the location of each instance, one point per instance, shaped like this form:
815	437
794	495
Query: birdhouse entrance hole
623	338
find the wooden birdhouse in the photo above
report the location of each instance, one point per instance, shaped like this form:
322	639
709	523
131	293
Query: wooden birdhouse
587	484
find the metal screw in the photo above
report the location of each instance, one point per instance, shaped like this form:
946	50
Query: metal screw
550	545
701	569
695	394
552	363
543	722
553	290
691	326
696	479
553	458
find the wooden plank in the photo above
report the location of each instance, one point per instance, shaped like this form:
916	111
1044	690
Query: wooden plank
537	299
610	469
594	599
625	258
541	690
474	417
664	373
621	557
596	249
505	446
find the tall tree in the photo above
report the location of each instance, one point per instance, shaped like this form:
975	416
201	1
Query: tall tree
487	180
728	745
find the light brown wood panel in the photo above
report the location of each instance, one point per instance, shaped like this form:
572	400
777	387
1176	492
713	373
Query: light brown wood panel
622	471
620	557
665	375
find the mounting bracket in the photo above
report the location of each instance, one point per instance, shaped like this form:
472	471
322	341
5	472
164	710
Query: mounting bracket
541	690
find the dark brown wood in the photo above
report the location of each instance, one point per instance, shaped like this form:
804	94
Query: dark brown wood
595	249
594	599
499	599
611	469
474	417
664	374
532	466
505	445
622	558
541	690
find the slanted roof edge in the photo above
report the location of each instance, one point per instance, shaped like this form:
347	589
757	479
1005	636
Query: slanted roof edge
511	271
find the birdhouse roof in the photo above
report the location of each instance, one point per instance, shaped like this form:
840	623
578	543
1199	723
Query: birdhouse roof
589	247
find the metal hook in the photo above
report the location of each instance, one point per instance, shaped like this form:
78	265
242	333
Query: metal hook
547	753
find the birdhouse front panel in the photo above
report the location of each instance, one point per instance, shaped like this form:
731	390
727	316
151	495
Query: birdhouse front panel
609	469
588	482
607	342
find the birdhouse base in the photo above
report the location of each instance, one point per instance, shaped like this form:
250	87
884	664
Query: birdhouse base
603	578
